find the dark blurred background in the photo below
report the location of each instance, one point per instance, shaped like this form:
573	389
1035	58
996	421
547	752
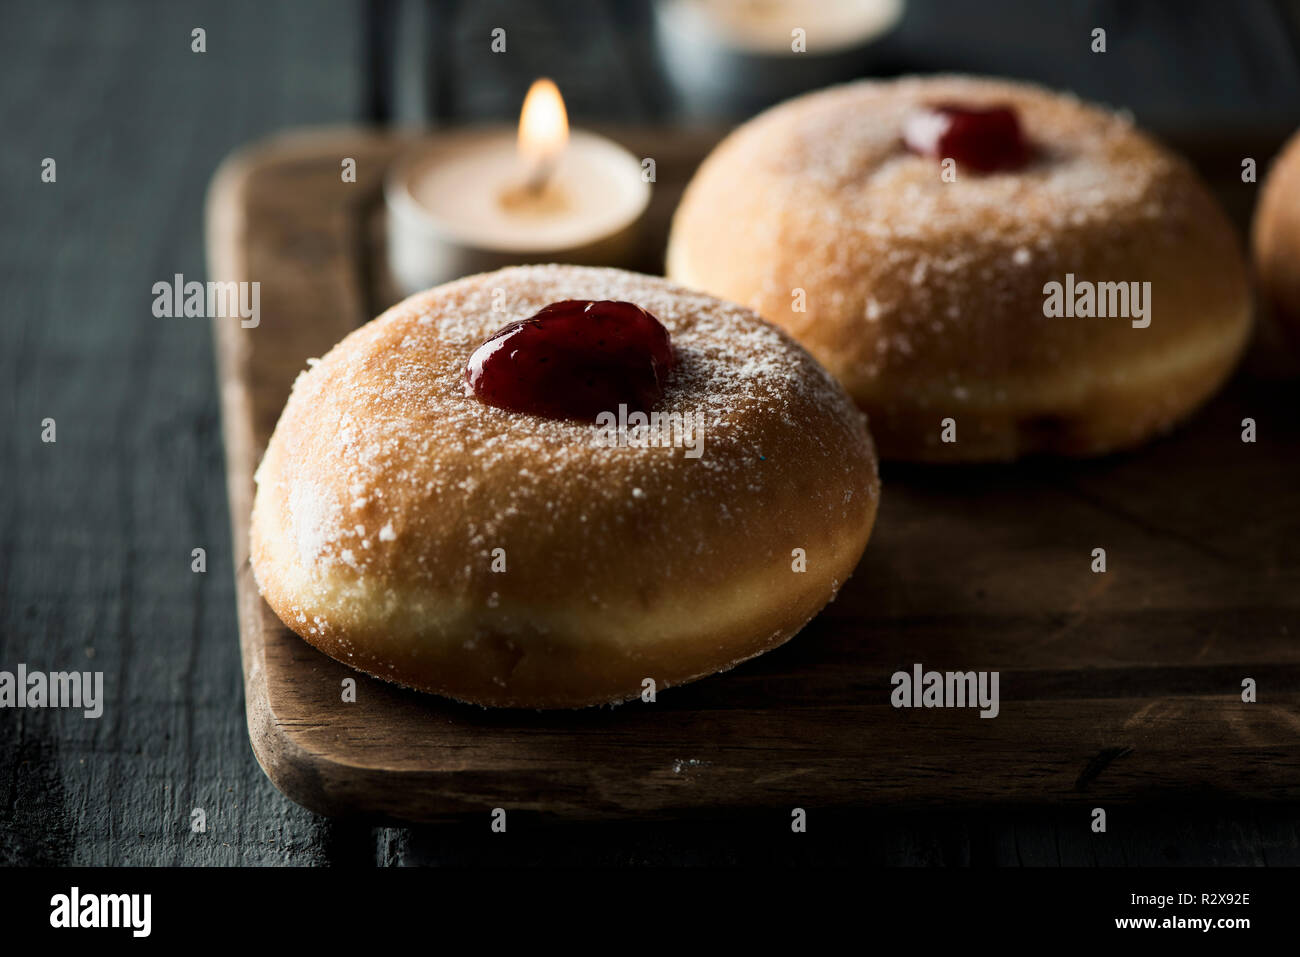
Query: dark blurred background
96	530
1176	64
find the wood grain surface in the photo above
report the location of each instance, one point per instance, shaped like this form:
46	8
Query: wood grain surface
1116	687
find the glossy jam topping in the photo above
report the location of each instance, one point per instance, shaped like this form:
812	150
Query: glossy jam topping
574	360
985	139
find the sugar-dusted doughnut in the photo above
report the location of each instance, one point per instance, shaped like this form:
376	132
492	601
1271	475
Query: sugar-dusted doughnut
928	240
1276	239
407	527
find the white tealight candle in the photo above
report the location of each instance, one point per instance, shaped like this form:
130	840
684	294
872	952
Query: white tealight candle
727	56
769	26
480	199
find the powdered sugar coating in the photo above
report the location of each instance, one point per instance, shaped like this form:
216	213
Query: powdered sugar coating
386	418
833	163
1088	164
921	287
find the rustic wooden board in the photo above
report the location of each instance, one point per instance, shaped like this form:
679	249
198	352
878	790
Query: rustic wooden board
1121	687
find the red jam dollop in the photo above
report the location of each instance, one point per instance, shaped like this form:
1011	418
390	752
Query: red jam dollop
574	360
985	139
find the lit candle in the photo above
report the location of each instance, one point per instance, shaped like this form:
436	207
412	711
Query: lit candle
479	199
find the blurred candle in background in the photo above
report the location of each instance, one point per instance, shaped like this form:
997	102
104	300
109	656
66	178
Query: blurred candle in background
477	199
732	57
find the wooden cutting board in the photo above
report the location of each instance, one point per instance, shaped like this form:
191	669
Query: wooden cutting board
1115	687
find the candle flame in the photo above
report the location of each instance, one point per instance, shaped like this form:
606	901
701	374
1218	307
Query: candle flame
543	131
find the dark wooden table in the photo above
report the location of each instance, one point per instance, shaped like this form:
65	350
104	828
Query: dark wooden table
96	529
